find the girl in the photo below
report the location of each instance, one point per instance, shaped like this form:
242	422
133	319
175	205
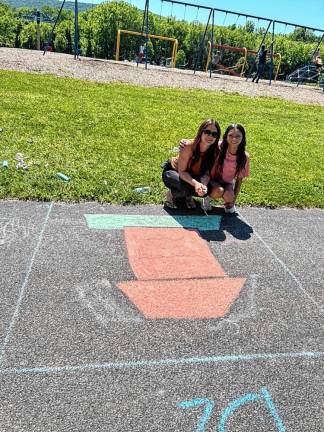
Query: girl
189	172
230	168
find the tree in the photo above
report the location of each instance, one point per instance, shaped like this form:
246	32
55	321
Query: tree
249	26
28	36
8	25
63	37
302	34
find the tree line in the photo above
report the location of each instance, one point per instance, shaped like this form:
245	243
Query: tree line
98	31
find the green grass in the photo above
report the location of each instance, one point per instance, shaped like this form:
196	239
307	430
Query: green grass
111	138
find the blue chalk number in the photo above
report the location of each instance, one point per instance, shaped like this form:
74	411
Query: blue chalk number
207	412
264	396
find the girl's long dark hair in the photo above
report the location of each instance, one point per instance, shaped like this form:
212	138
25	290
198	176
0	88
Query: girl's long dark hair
213	150
240	155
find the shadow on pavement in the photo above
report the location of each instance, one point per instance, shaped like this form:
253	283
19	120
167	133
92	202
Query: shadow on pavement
231	223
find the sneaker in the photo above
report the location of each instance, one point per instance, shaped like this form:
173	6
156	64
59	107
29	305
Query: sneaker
230	210
190	203
205	204
170	201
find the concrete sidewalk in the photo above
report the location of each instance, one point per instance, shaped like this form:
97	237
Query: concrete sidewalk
84	345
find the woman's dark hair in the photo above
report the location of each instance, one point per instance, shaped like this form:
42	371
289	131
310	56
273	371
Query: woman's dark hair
240	155
213	150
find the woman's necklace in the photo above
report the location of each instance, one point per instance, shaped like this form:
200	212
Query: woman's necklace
233	154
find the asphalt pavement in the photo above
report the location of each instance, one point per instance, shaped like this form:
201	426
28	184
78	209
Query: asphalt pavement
132	318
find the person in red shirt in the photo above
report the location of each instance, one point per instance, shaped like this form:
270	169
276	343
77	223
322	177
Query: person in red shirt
188	173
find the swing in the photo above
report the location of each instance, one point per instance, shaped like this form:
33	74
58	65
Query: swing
195	21
184	14
223	69
170	16
237	20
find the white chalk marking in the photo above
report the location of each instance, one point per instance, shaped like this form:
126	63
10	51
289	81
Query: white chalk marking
283	265
23	289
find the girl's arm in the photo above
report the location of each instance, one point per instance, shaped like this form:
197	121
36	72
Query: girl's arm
243	174
205	179
237	187
183	162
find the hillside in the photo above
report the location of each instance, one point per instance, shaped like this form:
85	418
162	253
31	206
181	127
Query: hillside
41	3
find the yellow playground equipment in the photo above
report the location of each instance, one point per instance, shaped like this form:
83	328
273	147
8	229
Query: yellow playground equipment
241	65
150	36
230	70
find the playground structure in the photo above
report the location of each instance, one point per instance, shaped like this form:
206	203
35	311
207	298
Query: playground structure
219	67
208	29
149	36
242	64
311	73
307	74
76	30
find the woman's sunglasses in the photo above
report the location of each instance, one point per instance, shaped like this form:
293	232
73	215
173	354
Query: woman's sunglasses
210	133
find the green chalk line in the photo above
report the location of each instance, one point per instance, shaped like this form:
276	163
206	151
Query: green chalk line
115	221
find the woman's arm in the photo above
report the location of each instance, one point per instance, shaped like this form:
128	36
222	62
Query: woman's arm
183	163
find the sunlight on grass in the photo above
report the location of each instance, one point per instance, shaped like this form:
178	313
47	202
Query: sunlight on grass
111	138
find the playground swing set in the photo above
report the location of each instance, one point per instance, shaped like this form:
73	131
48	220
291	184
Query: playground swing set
241	65
310	73
149	36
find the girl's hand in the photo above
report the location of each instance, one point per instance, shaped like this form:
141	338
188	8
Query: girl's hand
184	143
200	189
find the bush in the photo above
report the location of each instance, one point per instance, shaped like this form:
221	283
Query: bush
180	58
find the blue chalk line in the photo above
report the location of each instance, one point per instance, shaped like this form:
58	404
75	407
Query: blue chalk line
164	362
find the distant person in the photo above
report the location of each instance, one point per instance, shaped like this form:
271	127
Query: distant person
262	58
317	61
215	59
141	53
188	173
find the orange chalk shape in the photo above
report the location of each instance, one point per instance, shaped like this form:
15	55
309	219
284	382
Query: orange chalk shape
196	298
178	276
169	253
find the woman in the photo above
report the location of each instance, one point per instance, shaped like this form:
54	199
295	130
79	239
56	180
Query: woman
231	167
188	173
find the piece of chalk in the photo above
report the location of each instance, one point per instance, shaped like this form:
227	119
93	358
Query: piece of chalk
62	176
5	164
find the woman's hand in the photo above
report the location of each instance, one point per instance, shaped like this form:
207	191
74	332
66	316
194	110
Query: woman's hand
200	189
184	143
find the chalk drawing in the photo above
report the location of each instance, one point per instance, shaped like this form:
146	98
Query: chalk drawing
234	405
99	299
23	288
12	230
287	270
115	221
279	423
166	362
263	396
250	309
207	412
